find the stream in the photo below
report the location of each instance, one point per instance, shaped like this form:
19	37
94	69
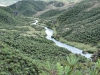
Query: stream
72	49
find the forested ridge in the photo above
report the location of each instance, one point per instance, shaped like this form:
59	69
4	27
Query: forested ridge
29	8
24	50
32	7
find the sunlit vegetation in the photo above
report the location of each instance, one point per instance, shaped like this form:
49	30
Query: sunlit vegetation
28	8
51	13
18	52
80	23
35	55
31	7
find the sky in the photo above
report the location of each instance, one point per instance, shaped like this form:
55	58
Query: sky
7	2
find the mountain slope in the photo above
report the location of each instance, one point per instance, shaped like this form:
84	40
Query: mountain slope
31	7
81	23
6	15
23	47
24	50
28	8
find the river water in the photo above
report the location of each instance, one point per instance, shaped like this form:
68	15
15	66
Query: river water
74	50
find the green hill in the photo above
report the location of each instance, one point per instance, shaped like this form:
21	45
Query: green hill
24	50
6	15
28	8
23	47
81	23
31	7
51	13
10	17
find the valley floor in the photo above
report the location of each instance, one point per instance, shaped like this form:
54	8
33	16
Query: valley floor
85	47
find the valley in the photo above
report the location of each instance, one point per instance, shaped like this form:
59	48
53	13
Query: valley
39	37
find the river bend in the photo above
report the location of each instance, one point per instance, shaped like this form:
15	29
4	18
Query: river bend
74	50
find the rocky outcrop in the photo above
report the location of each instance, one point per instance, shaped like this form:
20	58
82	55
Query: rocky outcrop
96	56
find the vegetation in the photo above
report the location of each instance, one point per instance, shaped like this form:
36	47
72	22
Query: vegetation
56	3
51	13
24	50
28	8
80	23
18	53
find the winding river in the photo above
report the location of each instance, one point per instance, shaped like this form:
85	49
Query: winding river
74	50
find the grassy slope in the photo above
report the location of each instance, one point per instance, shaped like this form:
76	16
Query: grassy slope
18	53
6	15
80	23
29	55
31	7
28	8
51	13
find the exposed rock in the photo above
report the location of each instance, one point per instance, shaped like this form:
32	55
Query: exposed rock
96	56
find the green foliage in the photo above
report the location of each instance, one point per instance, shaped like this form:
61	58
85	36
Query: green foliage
28	55
93	71
80	23
8	17
51	13
68	69
77	73
98	63
72	60
59	69
56	3
28	8
14	62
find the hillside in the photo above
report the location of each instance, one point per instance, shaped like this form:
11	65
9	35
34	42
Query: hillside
28	8
23	46
80	23
7	16
31	7
24	49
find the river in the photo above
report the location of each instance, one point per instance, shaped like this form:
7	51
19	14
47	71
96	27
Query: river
72	49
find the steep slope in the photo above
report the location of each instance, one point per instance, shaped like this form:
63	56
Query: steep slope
31	7
6	15
20	53
32	53
81	23
28	8
54	8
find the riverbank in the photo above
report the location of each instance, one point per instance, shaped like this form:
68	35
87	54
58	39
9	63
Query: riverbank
72	49
85	47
